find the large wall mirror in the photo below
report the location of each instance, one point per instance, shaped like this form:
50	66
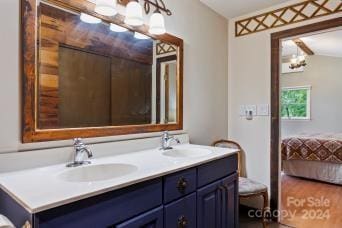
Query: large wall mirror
87	75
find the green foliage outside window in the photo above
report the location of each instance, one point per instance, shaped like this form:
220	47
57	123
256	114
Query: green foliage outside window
294	103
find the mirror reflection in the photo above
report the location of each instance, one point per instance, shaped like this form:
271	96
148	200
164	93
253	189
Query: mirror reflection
93	73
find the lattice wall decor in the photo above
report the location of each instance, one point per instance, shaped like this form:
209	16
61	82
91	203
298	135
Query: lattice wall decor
288	15
164	48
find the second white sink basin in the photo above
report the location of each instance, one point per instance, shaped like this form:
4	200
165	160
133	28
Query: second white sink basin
187	153
93	173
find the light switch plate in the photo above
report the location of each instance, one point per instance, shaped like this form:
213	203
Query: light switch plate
252	108
242	111
263	110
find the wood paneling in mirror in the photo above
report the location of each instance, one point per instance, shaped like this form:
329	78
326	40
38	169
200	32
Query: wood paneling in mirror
48	82
59	29
74	90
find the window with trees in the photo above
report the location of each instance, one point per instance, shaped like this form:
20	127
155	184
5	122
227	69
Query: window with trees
295	103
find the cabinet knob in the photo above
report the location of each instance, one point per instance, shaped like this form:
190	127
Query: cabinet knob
182	222
182	184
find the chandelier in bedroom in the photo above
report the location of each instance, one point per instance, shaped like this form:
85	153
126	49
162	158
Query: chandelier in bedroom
298	60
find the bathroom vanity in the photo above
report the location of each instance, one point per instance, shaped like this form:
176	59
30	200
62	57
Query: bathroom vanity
90	75
189	186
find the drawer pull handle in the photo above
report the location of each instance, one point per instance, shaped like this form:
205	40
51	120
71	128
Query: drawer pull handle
182	184
182	222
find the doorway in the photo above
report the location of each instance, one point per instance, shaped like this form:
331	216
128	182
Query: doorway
277	109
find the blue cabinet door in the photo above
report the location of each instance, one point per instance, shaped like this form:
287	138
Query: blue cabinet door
217	204
150	219
209	206
230	201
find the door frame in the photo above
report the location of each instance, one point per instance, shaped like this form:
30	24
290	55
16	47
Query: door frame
161	60
275	97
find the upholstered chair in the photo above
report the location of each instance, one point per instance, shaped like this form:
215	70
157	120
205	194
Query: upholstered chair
247	188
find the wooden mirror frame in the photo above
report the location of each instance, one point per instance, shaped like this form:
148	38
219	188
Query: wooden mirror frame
30	131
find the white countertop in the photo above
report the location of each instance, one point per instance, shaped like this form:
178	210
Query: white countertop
41	189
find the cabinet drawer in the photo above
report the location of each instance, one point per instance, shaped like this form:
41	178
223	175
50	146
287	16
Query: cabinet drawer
179	184
151	219
216	170
181	213
104	210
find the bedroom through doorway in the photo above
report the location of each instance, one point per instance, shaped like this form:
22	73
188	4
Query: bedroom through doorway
310	129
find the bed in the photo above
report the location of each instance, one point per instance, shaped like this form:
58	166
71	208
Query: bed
313	156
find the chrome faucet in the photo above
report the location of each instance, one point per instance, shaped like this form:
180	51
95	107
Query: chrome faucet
166	140
80	148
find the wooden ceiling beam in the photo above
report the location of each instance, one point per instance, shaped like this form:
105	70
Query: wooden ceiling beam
123	2
303	46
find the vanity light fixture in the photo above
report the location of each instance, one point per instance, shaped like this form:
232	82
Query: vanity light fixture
117	28
89	19
134	14
106	7
140	36
157	23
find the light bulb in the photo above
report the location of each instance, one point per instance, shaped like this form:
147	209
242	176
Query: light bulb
89	19
117	28
157	24
301	58
134	15
294	59
141	36
106	7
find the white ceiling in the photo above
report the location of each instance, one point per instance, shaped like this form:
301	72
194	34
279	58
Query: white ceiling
328	44
234	8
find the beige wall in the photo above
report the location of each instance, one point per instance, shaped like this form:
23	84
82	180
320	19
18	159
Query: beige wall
205	68
324	75
249	83
205	73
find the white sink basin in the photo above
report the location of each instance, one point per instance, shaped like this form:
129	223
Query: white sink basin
93	173
187	153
